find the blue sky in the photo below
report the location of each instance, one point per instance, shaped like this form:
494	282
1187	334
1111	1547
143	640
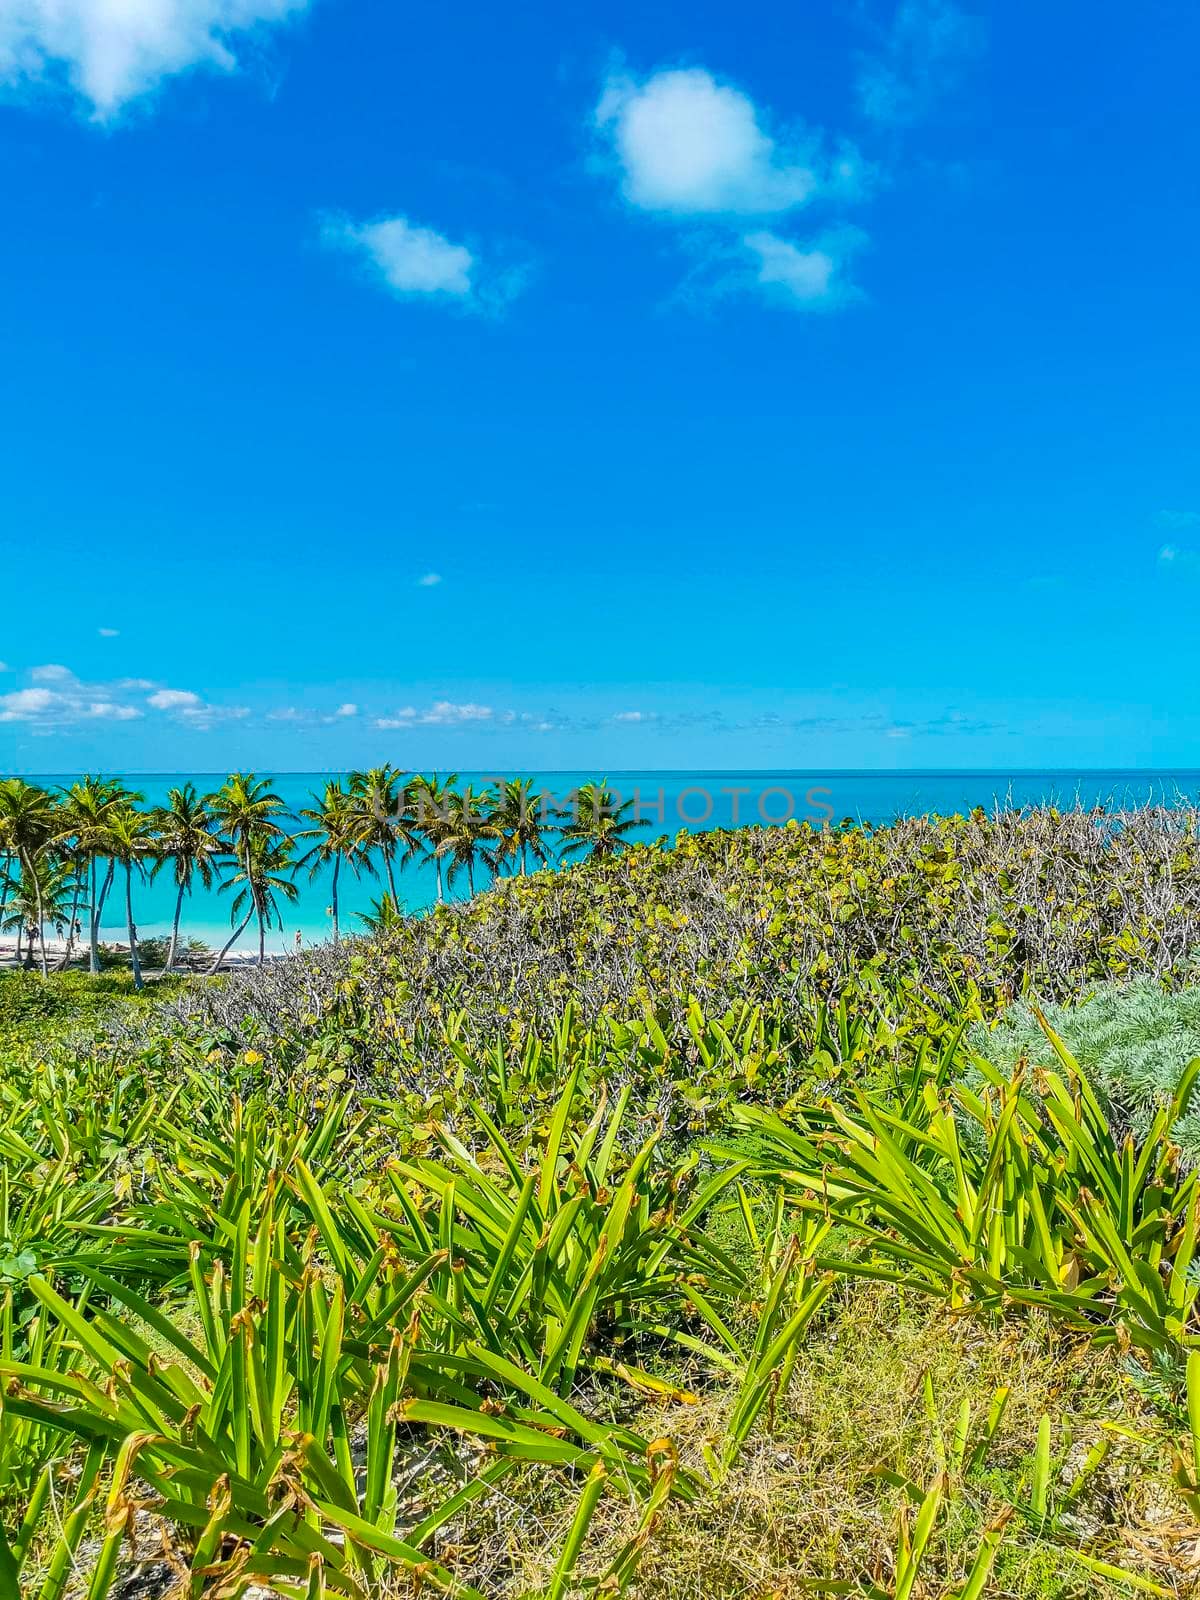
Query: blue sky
636	385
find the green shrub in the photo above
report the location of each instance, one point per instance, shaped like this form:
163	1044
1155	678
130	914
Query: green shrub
950	916
26	1000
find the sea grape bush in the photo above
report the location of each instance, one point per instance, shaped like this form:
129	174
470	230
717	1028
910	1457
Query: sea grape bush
962	914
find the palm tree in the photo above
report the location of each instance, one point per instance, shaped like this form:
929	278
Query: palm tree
338	830
520	816
42	892
429	801
384	817
465	832
265	874
129	841
28	826
85	809
245	808
186	840
383	915
599	822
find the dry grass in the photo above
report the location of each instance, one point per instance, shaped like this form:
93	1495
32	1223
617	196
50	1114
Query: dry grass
803	1504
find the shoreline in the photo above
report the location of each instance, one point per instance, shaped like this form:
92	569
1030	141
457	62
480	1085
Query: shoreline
56	948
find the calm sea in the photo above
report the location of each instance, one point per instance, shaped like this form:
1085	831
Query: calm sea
667	802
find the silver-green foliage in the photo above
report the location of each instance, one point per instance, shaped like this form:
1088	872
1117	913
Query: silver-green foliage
1133	1040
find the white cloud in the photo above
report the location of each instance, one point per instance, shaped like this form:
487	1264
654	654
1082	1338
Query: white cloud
633	716
347	710
443	713
690	145
286	714
413	262
175	700
109	633
56	697
23	703
1173	555
112	712
71	701
921	58
809	276
185	703
109	52
429	581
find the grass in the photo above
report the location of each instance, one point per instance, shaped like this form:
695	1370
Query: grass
806	1504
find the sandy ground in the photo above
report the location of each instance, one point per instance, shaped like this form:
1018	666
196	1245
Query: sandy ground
56	947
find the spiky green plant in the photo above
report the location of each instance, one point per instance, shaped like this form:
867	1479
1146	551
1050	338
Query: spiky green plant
1020	1193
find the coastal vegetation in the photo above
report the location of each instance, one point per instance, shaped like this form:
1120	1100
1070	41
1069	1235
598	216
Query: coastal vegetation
61	850
789	1211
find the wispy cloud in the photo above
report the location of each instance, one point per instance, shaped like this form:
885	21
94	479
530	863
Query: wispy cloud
685	145
413	262
106	53
812	275
175	700
311	715
109	633
1178	521
442	714
1178	558
56	698
429	581
921	57
192	708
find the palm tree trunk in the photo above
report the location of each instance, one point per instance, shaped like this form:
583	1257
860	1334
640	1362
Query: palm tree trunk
174	946
471	877
255	903
97	911
337	865
232	940
37	895
391	877
437	861
70	946
133	951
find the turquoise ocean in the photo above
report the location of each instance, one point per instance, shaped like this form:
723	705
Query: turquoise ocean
666	802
